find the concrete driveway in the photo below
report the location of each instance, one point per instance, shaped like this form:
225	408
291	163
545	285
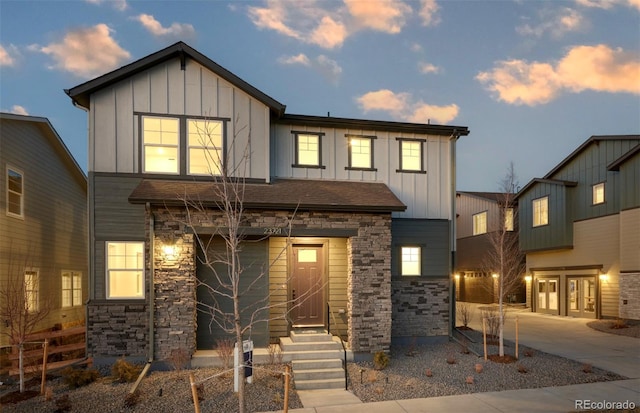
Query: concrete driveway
571	338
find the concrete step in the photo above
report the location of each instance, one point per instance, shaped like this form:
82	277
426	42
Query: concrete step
288	345
301	336
316	364
318	374
288	356
319	384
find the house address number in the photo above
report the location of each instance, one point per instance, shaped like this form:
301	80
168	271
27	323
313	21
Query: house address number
272	231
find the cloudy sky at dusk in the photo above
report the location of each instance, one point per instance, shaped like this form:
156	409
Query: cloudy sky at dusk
531	79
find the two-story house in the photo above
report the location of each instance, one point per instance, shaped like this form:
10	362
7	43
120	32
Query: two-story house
580	230
43	223
356	216
480	216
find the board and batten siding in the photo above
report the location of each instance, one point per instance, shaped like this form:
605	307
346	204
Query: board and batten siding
630	180
431	235
559	231
467	205
426	195
52	235
166	89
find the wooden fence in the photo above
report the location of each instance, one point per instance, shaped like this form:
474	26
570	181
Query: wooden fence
65	343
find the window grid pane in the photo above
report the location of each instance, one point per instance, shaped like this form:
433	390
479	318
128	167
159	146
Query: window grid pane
508	219
31	290
598	194
125	269
160	137
14	192
308	150
204	138
480	223
360	152
410	261
411	155
540	211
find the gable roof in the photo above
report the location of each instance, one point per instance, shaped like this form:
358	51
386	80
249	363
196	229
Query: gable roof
287	194
49	132
80	94
615	165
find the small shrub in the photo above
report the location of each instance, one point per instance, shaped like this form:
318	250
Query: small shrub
48	394
380	360
63	404
275	354
200	391
428	373
178	359
587	368
132	399
478	368
522	369
124	371
469	380
464	313
225	351
451	359
277	398
379	390
75	378
619	323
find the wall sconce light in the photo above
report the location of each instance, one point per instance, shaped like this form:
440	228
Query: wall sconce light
604	277
457	276
494	275
527	278
169	252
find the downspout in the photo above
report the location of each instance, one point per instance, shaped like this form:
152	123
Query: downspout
452	235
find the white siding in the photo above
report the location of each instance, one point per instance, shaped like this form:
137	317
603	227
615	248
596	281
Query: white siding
167	89
425	195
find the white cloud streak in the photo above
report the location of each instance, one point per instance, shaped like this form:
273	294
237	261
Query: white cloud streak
176	30
86	52
120	5
598	68
328	68
5	57
402	106
554	22
19	110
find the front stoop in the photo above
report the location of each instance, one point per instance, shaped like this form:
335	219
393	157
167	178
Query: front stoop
316	359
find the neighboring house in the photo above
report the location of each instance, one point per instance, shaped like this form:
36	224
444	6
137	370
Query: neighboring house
580	230
373	204
478	216
43	220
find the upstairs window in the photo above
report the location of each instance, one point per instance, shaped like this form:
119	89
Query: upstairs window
204	139
480	223
598	193
360	152
31	291
411	156
15	193
71	288
410	264
308	150
508	219
125	270
161	137
540	211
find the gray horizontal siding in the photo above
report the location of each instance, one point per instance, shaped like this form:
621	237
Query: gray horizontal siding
431	235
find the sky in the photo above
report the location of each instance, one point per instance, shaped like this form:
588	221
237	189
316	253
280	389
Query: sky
531	79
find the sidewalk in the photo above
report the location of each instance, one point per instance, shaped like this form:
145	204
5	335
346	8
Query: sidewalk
563	336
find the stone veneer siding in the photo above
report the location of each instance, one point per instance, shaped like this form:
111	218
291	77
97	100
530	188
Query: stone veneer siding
368	274
117	329
630	292
420	307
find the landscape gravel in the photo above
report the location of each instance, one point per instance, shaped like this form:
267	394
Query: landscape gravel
405	377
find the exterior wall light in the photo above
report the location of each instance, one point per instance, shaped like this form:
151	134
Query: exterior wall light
604	277
169	252
527	278
494	275
457	276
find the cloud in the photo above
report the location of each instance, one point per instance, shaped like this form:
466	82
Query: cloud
329	33
554	22
428	68
381	15
19	110
416	47
86	52
5	58
117	4
402	106
328	68
597	68
608	4
178	30
429	12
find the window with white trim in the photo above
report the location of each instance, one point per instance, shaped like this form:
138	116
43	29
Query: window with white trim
204	141
31	290
360	152
508	219
161	149
540	209
410	261
411	155
71	288
598	193
15	193
125	270
480	223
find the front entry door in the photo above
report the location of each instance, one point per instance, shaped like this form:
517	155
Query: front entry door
307	286
582	297
547	295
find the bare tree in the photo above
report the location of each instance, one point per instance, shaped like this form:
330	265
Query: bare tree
22	306
230	281
504	257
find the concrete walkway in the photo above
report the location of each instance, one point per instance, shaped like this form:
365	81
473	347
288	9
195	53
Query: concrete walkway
567	337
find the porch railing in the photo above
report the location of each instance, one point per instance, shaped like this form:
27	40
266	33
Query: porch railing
331	315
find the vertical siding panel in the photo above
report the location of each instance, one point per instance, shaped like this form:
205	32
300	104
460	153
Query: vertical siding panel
104	130
209	94
259	140
175	88
124	128
193	88
278	287
141	93
159	92
225	100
